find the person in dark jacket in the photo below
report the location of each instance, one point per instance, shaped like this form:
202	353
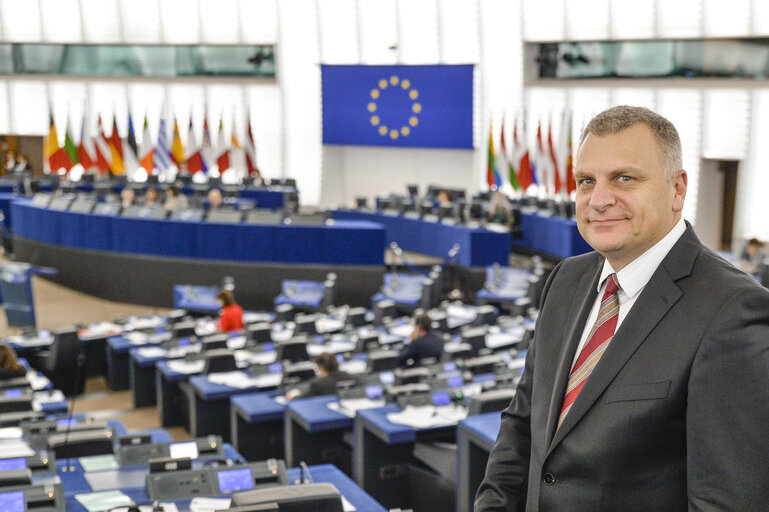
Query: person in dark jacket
425	343
329	375
9	366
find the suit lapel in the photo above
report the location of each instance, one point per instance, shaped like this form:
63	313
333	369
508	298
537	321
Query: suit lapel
655	301
580	309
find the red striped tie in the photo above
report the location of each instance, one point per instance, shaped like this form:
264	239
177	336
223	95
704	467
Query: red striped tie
599	338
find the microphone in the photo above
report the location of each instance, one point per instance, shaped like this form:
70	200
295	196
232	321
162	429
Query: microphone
80	363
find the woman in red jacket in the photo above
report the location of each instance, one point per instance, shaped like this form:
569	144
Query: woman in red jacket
231	316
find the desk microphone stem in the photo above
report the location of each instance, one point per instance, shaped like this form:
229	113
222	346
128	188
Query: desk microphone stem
80	363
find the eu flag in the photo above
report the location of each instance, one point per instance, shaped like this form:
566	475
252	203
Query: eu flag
409	106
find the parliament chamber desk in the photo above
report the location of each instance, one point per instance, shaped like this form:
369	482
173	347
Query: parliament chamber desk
128	480
315	433
256	426
478	247
170	398
209	403
552	236
476	436
382	449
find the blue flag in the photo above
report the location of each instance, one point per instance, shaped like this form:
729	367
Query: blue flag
407	106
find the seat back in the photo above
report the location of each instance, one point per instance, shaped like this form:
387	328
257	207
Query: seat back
62	365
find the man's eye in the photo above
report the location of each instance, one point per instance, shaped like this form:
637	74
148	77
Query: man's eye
586	181
625	179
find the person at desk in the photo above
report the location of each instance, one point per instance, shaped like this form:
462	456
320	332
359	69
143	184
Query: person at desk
151	196
752	256
329	376
9	366
444	198
231	316
645	385
501	211
127	197
425	343
175	200
214	198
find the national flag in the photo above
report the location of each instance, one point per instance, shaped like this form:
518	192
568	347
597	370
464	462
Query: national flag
130	149
522	156
505	164
101	149
411	106
250	149
146	151
51	143
541	173
116	150
195	162
492	174
70	148
177	148
162	154
85	150
557	182
223	158
571	182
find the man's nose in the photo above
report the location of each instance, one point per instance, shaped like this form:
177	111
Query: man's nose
602	195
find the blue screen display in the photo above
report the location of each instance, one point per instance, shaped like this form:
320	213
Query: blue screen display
276	368
441	399
235	480
268	347
373	392
13	393
450	367
12	501
65	423
387	377
339	358
455	381
11	464
183	342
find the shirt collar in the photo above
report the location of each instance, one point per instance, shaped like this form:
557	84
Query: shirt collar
634	276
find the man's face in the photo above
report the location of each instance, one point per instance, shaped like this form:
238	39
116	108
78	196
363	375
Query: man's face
624	203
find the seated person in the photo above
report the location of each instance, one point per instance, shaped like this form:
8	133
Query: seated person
231	316
501	210
444	198
752	256
214	198
329	376
151	196
425	343
127	197
175	200
9	366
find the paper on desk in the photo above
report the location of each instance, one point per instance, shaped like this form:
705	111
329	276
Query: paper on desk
9	433
261	357
209	504
242	380
136	338
37	381
149	352
331	347
404	331
186	367
325	325
236	342
350	406
283	335
182	351
347	506
495	340
98	463
354	366
33	341
428	416
98	501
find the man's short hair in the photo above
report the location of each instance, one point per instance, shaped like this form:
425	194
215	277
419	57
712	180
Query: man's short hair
622	117
327	361
424	322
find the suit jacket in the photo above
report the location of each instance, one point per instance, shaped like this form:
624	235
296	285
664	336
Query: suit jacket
423	347
327	385
674	415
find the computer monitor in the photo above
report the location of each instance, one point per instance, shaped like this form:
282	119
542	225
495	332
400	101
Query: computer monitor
309	219
413	190
315	497
107	208
259	333
82	205
41	199
293	350
260	216
476	338
189	215
225	216
361	203
60	203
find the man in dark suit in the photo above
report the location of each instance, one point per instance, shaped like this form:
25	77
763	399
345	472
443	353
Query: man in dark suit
425	343
645	388
330	376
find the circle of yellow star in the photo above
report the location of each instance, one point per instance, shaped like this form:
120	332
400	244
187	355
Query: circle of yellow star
375	93
406	83
413	121
394	80
372	107
393	134
417	108
383	84
375	120
382	130
413	94
405	131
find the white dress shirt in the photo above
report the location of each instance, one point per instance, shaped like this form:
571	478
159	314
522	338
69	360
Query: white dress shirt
631	279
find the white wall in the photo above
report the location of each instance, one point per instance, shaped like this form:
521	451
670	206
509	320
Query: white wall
350	171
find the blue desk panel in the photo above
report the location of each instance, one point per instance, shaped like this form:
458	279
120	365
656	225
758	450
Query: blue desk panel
343	243
478	247
315	416
555	236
